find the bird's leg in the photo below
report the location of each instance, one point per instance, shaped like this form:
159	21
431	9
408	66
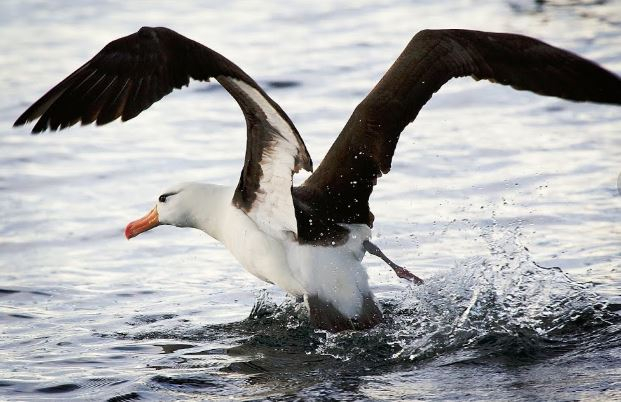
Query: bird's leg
400	271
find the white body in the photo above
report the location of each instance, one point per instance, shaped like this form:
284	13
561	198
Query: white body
334	273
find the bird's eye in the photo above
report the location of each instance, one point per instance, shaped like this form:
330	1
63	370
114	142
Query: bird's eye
164	196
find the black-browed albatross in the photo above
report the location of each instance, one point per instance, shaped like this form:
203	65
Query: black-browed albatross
309	239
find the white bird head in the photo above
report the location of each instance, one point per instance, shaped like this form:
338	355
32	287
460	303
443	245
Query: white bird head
184	205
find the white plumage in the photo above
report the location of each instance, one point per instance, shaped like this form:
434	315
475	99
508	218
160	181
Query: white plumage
335	274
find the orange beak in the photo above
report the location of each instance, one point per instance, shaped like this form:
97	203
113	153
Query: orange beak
147	222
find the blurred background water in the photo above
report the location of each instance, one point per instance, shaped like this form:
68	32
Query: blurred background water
505	202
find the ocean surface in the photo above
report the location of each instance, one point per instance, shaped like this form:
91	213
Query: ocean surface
505	202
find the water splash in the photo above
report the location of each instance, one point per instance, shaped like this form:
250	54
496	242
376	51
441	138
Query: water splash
501	304
500	310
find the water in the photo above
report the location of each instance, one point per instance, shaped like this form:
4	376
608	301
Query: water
504	202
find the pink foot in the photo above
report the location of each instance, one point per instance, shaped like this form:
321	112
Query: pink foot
405	274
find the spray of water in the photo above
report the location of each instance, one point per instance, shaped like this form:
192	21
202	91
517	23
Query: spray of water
501	304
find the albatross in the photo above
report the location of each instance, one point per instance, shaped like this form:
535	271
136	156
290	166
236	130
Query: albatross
308	239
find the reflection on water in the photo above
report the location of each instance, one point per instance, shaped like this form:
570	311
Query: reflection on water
490	190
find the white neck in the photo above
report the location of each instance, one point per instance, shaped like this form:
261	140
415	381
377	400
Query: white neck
209	207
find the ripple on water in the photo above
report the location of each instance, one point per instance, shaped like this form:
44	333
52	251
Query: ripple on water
501	309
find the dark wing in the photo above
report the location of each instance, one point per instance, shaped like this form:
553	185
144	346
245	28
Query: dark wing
341	185
133	72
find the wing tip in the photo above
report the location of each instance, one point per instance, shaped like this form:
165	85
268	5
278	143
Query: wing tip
19	123
24	118
32	132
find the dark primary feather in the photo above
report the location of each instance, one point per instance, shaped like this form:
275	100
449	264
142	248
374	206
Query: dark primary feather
131	73
341	185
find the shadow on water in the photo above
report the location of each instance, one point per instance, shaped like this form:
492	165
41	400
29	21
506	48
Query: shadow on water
503	310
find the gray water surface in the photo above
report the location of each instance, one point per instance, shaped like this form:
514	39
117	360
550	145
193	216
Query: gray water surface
503	201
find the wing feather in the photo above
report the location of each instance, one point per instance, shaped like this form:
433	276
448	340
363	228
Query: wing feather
364	149
131	73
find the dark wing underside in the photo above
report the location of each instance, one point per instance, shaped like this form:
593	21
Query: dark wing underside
126	77
131	73
340	187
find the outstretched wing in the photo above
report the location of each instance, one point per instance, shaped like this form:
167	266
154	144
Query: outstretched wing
341	185
133	72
